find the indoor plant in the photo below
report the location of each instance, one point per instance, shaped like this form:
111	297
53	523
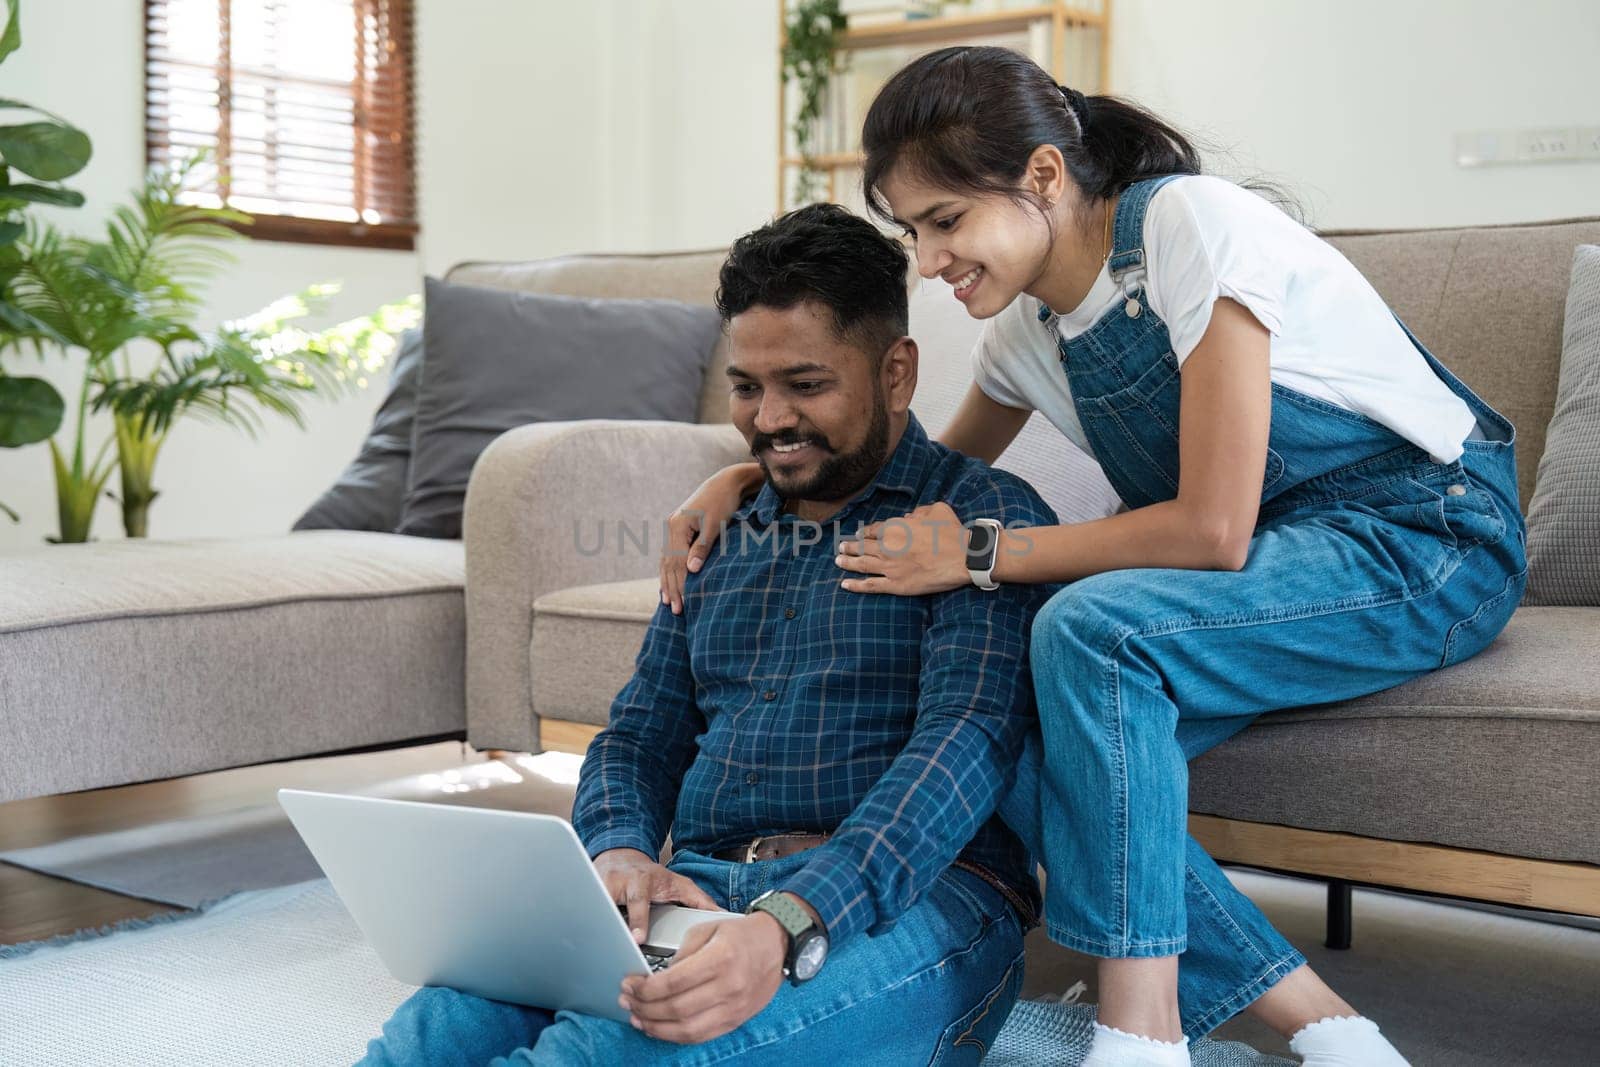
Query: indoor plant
142	284
810	59
46	151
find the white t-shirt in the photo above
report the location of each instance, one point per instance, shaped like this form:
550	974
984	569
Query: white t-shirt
1205	238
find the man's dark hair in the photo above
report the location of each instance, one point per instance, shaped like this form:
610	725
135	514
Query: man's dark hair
822	253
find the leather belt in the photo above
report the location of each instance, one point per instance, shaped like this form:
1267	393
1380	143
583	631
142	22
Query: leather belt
775	847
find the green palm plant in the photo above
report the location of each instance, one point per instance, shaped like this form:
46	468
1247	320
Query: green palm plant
47	151
262	364
143	283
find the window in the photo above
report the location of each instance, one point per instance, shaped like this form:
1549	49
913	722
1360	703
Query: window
305	105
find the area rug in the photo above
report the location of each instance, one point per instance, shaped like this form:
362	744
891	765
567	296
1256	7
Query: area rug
185	862
282	976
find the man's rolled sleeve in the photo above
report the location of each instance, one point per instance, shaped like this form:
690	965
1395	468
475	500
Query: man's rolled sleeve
631	775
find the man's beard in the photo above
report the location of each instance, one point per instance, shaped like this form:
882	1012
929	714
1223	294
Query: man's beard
838	476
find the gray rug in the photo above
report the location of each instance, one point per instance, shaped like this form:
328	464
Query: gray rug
186	862
282	976
1451	985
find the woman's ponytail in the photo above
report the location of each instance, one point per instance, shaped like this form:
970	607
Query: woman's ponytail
969	118
1122	143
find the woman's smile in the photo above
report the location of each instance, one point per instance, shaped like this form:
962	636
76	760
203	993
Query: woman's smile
966	283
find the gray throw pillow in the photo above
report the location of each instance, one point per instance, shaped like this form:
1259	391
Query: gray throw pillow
1564	514
498	360
370	492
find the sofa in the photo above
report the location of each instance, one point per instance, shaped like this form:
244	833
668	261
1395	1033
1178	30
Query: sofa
1481	780
130	661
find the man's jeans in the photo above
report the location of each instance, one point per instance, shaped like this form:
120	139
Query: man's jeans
935	988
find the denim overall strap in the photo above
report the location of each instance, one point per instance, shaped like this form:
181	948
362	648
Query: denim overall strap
1126	389
1127	262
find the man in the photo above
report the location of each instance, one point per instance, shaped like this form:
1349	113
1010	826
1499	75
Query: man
828	762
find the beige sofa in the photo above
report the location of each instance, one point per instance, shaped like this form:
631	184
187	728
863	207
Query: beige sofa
1482	780
123	662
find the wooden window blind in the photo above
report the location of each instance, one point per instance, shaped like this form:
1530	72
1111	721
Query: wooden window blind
306	107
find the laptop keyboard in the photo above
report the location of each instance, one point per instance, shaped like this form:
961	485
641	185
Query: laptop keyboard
657	963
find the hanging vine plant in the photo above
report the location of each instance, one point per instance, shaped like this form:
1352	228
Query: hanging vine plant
810	59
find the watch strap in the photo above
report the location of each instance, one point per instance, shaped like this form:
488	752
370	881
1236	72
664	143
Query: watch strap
794	919
980	566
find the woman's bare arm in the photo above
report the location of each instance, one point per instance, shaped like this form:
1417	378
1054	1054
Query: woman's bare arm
983	428
1223	423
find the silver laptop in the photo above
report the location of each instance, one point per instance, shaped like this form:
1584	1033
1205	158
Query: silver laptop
500	904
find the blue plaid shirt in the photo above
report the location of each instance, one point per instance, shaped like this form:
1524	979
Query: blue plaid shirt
780	702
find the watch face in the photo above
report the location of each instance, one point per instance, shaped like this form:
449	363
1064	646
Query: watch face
980	542
808	961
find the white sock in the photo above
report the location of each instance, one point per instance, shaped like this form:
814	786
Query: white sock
1345	1041
1114	1048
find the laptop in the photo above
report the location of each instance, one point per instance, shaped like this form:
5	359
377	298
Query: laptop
501	904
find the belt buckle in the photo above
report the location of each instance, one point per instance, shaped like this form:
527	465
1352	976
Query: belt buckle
750	849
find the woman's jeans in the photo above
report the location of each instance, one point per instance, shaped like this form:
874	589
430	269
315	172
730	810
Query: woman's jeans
1354	583
935	988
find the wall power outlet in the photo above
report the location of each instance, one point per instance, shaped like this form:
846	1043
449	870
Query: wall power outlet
1548	144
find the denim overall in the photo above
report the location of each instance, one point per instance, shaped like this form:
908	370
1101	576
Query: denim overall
1370	564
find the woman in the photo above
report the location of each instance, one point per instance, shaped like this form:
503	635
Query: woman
1316	510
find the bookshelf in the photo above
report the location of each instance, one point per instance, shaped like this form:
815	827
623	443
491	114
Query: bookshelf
1069	38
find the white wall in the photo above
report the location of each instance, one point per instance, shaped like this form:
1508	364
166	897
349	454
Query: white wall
621	125
214	481
1354	104
556	126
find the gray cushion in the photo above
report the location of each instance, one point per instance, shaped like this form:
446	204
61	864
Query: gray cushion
497	360
368	495
584	644
124	661
1500	753
1564	515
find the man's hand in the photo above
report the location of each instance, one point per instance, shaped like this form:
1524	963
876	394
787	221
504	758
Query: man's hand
724	974
634	879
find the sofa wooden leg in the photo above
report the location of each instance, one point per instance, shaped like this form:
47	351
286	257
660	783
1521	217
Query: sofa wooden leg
1340	916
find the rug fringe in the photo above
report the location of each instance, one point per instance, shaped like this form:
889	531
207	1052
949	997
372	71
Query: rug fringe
17	951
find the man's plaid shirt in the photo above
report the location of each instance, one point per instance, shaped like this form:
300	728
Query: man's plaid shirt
780	702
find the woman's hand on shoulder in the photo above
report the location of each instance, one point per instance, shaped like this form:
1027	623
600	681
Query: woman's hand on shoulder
693	529
917	554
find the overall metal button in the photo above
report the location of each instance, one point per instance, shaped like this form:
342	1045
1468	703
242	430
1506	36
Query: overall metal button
1133	309
1457	490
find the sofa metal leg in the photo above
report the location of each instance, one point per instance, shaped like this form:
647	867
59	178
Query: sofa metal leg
1340	916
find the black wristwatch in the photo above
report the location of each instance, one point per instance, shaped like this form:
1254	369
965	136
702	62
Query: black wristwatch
808	943
983	545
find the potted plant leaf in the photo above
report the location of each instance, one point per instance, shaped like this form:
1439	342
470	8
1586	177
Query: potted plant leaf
810	59
142	284
46	150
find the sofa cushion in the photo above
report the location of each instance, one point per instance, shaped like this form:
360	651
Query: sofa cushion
369	492
1501	752
498	360
1564	517
584	644
133	660
1488	301
688	277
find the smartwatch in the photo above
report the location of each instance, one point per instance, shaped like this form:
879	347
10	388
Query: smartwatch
983	545
808	944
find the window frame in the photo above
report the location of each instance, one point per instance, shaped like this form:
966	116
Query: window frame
302	229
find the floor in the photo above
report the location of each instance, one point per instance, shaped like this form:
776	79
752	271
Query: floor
1452	985
35	906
